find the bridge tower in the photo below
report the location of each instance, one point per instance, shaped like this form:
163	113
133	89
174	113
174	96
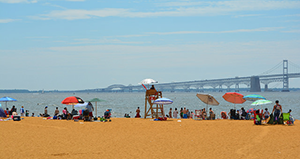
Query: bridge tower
285	77
255	84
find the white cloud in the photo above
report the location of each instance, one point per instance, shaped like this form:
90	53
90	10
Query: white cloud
292	31
18	1
219	32
8	20
76	0
181	9
97	41
247	15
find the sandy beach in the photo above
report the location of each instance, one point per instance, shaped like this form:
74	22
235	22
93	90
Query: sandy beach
35	137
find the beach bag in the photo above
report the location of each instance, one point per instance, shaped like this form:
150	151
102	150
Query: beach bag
16	118
54	117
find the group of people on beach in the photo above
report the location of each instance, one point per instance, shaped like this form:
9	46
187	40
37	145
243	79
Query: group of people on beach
13	111
85	114
242	114
185	113
257	115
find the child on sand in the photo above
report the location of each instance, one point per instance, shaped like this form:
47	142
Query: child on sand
257	118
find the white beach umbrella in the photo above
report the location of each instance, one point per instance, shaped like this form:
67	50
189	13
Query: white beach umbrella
148	81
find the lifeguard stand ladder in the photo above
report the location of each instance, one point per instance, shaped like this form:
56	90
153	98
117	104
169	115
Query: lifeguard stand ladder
153	110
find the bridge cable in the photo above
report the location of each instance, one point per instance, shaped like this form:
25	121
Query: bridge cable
272	69
295	66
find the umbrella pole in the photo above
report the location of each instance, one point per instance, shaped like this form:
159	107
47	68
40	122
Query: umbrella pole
156	111
96	109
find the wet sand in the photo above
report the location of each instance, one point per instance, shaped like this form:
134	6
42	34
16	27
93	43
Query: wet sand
143	138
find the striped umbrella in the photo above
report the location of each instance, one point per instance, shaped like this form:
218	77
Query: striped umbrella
163	101
261	102
253	97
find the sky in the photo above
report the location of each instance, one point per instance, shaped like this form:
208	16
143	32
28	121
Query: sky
86	44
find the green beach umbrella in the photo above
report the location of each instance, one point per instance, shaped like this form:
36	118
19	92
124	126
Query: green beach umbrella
261	102
96	100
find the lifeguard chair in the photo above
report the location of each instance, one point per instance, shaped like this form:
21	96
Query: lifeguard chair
153	110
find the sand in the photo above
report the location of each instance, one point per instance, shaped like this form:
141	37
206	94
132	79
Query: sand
35	137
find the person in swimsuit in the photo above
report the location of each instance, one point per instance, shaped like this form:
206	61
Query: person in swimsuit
175	113
277	109
184	112
138	112
170	113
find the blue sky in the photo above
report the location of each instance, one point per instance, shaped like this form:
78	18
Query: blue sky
83	44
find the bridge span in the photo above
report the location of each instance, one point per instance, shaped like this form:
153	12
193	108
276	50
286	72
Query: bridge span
253	83
220	85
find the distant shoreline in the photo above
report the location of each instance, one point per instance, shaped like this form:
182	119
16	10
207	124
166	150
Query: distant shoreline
114	91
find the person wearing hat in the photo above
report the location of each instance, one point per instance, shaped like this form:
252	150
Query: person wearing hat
22	111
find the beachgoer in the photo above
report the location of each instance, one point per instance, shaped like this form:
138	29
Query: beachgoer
45	112
152	87
56	112
65	113
107	114
32	115
188	113
266	114
170	113
277	109
192	115
127	115
74	112
14	114
181	113
184	112
13	109
243	113
257	118
27	113
6	111
291	121
204	114
90	109
138	112
223	115
22	111
237	114
211	114
175	113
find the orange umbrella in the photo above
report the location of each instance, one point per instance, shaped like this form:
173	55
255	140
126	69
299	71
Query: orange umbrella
73	100
234	97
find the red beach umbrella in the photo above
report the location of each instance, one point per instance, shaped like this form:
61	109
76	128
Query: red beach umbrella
72	100
234	97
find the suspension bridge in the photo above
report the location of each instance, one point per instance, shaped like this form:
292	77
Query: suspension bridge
253	83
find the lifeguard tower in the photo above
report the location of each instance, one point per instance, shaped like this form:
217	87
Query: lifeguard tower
151	109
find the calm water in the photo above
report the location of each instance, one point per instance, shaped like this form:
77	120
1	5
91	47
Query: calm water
122	103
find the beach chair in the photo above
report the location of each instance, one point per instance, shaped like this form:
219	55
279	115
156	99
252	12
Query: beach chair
286	118
198	115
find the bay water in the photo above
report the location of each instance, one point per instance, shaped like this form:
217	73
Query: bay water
126	102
